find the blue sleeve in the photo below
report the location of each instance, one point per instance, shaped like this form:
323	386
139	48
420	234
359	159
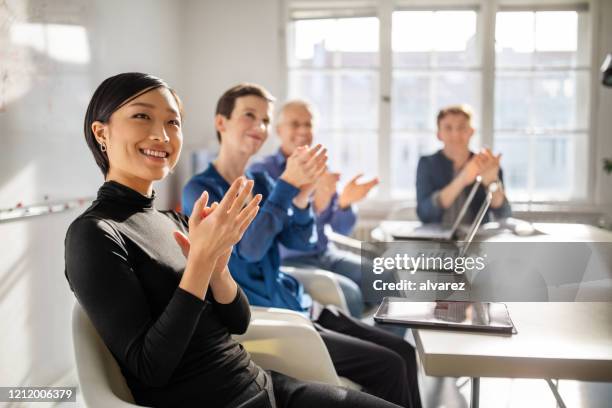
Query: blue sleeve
277	216
300	232
258	167
428	209
505	210
191	192
342	219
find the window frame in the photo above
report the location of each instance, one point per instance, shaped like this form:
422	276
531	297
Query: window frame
485	32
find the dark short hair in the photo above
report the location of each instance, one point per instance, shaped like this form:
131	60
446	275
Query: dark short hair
112	94
227	102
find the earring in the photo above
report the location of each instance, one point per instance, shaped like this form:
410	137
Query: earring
103	147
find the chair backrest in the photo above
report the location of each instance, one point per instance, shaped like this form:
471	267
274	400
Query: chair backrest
100	379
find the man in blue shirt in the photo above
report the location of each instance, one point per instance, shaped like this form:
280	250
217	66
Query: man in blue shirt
445	178
384	364
294	128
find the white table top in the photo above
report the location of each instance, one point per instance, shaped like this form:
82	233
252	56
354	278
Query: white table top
552	232
554	340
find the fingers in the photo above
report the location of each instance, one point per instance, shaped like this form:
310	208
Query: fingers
230	196
247	215
240	199
370	184
183	242
196	212
354	179
251	204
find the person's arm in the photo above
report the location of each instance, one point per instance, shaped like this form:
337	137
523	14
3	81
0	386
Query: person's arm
235	315
428	209
500	207
100	274
191	192
342	219
299	232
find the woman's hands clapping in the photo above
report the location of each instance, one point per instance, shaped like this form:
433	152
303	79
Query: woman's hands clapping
212	233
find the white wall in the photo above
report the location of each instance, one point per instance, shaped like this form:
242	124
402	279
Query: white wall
42	106
225	42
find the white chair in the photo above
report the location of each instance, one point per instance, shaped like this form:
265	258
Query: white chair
286	341
322	285
100	380
277	339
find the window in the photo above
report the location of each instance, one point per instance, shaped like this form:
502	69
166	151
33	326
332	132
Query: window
435	64
541	104
334	65
533	78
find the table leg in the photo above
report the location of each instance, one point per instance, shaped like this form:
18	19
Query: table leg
475	392
555	391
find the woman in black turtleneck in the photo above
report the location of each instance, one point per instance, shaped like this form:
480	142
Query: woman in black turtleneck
155	284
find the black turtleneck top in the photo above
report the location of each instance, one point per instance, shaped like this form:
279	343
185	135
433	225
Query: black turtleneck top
124	266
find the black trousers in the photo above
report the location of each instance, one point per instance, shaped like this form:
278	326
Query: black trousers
275	390
381	362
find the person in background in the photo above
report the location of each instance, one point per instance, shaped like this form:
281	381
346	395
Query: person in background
294	128
383	363
155	284
445	178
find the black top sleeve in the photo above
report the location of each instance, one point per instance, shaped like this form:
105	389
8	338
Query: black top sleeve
235	315
99	271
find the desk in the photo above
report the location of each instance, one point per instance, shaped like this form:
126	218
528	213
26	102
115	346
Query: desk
551	232
554	340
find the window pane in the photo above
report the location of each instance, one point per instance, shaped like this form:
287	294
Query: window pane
543	100
515	164
316	87
542	167
349	42
417	97
358	101
344	100
514	38
546	38
350	153
427	38
406	149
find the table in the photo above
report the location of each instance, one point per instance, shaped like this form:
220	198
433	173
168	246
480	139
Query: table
554	340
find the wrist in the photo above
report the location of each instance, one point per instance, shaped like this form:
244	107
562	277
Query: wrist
343	203
289	180
300	201
202	256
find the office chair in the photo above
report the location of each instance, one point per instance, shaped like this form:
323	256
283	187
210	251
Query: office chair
277	339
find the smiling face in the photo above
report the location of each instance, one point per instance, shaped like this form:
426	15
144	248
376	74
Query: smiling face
143	139
246	130
455	131
294	127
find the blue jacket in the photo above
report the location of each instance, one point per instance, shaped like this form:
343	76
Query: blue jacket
433	174
341	220
255	260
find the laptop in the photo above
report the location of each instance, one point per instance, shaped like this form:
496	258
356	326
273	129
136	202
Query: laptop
455	315
434	232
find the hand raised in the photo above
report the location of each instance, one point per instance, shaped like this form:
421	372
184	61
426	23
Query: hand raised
305	166
215	229
355	191
325	188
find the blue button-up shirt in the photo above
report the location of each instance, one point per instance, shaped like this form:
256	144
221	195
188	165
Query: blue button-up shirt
255	260
435	172
341	220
